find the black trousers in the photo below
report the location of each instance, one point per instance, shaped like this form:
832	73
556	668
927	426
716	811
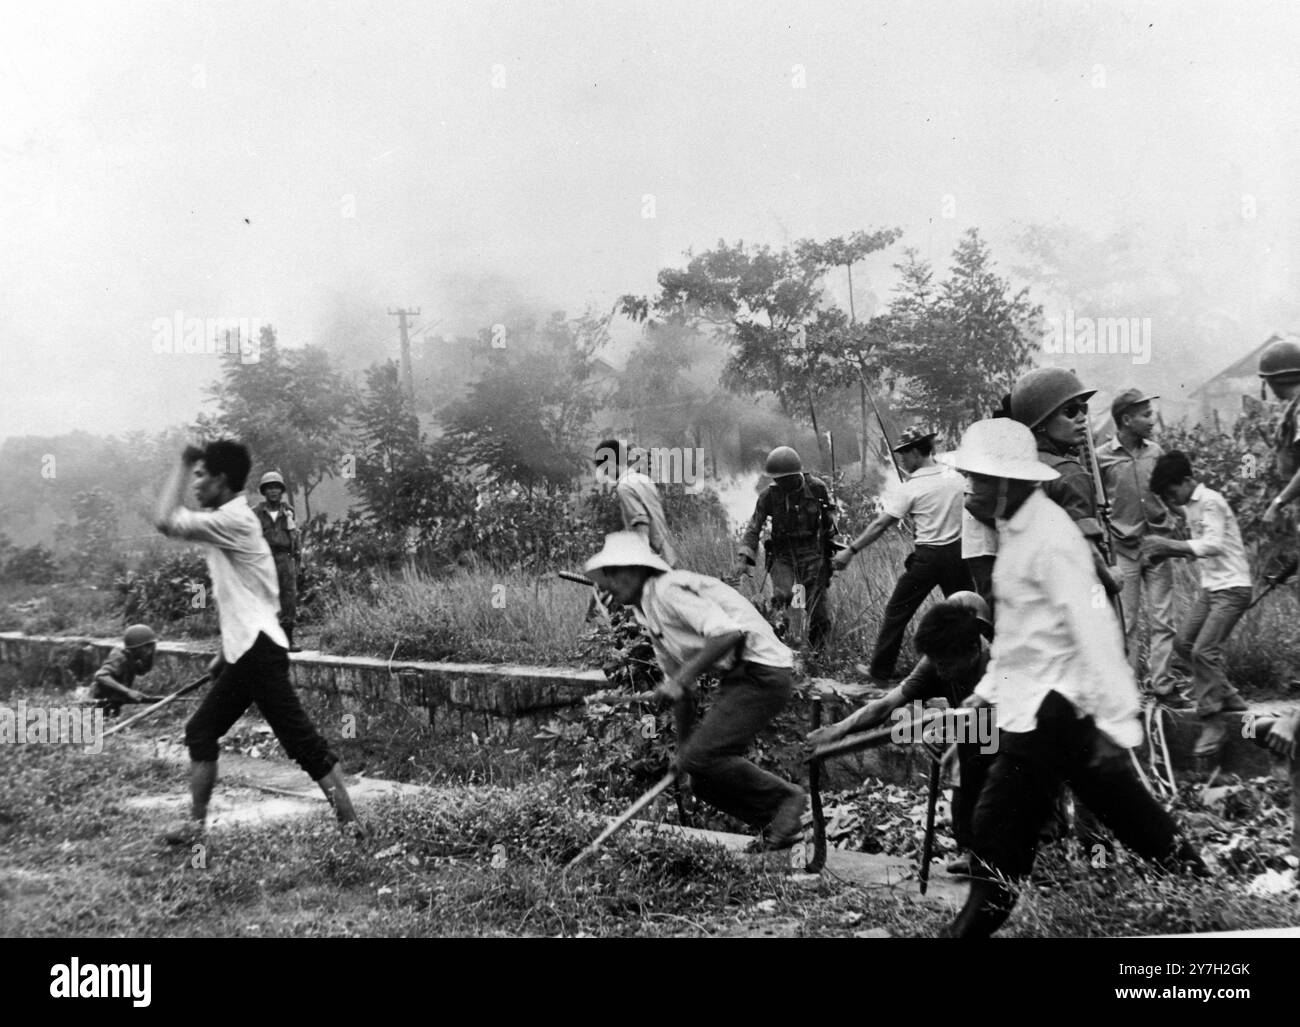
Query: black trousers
981	576
713	752
260	676
926	568
1020	794
975	767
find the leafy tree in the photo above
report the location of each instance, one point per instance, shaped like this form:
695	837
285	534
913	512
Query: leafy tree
91	540
395	477
34	565
291	408
961	345
769	306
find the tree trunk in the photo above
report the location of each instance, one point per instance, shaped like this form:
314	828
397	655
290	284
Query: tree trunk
852	314
813	411
306	500
862	442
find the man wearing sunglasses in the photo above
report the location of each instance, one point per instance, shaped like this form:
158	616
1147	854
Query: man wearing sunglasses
1053	404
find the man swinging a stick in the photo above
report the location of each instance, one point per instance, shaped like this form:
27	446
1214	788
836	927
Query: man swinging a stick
253	665
698	624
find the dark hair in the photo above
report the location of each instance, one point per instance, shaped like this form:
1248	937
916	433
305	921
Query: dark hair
925	447
1172	468
613	450
228	457
947	629
1004	407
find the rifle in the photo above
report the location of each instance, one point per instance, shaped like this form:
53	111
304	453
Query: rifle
904	525
598	596
1106	545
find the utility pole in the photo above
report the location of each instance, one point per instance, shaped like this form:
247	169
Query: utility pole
408	381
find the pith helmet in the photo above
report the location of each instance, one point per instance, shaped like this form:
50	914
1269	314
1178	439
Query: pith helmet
138	635
270	478
1041	391
782	461
1280	357
974	602
999	448
626	549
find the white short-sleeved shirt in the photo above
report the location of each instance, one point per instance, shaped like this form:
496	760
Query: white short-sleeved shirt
933	498
682	610
242	571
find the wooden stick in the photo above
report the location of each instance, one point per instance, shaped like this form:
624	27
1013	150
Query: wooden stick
631	811
815	788
158	705
927	845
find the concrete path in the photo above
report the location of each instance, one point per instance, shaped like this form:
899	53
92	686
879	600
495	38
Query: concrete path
256	791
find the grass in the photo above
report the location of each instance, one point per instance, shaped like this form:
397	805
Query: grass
77	860
476	614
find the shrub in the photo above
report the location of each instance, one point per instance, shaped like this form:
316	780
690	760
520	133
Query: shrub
173	588
34	565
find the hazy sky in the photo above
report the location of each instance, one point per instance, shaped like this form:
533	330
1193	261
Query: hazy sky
313	164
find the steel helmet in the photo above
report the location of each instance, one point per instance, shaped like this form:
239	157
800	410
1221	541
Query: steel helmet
270	478
974	602
138	635
999	448
1041	391
1281	357
782	461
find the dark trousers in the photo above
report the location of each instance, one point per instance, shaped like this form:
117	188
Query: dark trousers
981	576
286	574
260	676
793	565
974	767
926	568
713	752
1020	794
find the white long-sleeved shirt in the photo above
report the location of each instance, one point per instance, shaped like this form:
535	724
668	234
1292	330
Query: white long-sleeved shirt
242	571
1216	541
1056	631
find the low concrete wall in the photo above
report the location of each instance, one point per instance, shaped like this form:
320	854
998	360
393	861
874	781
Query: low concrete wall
500	703
494	700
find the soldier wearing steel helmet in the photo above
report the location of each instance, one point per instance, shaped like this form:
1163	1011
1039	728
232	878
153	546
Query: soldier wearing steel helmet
952	639
114	681
1053	404
799	548
1279	366
282	535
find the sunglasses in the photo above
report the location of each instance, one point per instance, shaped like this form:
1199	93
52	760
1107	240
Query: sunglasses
1073	409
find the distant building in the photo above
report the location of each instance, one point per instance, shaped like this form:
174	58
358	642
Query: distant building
1223	398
